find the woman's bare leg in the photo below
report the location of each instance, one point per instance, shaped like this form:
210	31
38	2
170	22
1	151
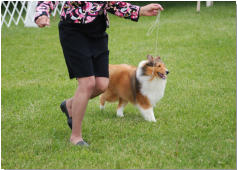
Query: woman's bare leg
101	84
79	102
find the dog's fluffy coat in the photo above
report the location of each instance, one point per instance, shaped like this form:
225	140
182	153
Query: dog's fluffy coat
142	86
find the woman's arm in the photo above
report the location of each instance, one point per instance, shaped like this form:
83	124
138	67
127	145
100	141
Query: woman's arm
129	11
43	10
124	9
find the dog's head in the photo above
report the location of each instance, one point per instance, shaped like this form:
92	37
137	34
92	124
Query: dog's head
154	68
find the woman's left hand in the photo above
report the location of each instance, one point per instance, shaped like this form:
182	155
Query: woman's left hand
150	10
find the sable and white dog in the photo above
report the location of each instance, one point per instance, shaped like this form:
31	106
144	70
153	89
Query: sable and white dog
142	86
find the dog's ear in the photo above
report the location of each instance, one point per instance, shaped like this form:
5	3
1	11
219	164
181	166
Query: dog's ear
150	58
157	59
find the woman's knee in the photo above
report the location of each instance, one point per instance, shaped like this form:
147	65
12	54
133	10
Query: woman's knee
102	84
87	83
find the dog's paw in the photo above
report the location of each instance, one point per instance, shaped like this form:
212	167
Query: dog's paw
102	107
153	120
119	113
150	119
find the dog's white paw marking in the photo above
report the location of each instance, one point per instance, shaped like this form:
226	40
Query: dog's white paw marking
148	114
150	119
102	107
120	112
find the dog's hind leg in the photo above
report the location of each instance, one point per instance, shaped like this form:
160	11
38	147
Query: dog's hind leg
107	96
102	102
122	103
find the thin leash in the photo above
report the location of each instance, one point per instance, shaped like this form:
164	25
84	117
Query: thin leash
154	26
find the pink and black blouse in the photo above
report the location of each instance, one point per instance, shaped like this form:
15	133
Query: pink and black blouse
84	12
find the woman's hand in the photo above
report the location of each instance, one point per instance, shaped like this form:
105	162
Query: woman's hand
150	10
43	21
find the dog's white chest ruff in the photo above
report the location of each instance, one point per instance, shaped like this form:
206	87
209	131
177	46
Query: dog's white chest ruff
154	89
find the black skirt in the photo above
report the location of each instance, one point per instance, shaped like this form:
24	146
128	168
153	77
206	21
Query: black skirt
85	48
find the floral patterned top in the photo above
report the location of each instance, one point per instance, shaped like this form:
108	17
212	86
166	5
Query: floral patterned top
84	12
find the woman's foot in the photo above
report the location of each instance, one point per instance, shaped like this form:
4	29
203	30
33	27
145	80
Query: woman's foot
78	141
82	143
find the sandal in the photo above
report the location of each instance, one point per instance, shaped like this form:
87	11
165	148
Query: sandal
83	143
65	111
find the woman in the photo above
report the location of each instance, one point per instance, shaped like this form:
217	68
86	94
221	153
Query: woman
84	42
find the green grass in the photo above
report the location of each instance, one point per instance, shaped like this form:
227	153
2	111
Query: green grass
196	119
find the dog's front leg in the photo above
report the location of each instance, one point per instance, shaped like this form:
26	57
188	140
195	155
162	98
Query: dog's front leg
148	113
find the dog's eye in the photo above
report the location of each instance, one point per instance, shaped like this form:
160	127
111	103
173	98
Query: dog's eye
159	65
150	64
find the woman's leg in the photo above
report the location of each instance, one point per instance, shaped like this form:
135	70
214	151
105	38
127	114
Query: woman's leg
101	84
79	102
88	87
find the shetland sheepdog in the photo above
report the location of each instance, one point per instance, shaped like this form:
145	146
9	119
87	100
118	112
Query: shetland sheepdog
143	86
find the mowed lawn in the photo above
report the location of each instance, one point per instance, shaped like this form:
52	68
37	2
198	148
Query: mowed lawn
196	119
